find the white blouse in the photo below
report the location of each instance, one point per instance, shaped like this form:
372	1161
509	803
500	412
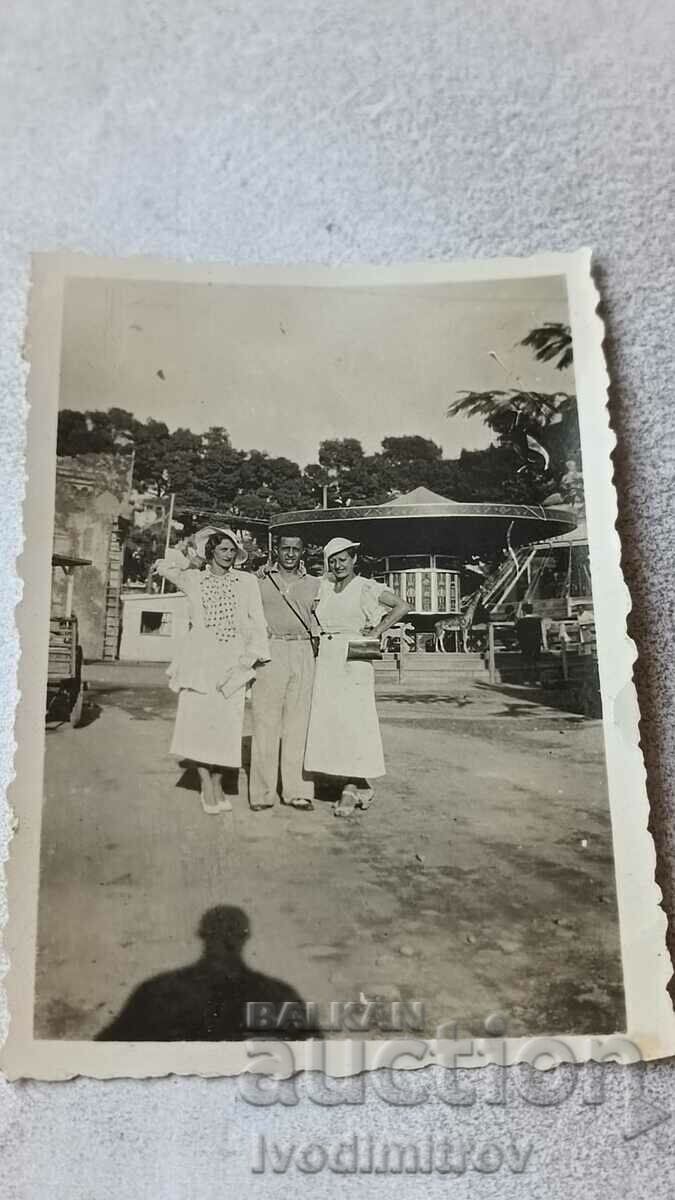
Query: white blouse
220	604
351	609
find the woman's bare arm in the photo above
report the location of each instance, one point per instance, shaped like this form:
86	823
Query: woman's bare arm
398	610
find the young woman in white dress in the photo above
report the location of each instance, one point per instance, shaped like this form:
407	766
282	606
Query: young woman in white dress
214	662
344	739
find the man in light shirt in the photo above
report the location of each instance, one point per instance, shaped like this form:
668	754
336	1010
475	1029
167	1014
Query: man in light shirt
282	693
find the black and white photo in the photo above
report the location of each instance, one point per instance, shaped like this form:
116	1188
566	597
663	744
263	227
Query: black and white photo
323	631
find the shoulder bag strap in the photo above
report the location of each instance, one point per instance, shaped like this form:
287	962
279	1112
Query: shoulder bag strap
292	607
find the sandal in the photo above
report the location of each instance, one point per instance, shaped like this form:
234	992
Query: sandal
260	807
349	800
223	802
366	797
302	803
211	810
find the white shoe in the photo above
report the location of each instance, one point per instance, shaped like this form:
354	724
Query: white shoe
210	809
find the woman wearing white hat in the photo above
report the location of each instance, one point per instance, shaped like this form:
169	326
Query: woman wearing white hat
344	739
215	660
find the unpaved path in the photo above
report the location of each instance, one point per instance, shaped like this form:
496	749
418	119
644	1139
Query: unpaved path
479	881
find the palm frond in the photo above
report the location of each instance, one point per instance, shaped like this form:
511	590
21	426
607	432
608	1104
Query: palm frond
552	340
537	407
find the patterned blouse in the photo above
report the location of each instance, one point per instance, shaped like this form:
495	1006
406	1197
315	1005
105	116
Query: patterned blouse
219	604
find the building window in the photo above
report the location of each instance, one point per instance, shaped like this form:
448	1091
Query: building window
157	623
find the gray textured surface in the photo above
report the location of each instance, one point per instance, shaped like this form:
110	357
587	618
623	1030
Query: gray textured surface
292	130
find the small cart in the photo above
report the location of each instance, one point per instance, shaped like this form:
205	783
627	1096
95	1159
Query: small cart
65	686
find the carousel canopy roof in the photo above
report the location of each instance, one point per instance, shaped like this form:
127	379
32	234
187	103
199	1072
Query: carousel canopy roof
573	537
428	520
419	495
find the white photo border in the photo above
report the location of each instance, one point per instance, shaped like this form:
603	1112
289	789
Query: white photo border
650	1020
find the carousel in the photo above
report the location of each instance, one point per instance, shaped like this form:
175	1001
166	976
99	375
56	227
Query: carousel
431	550
549	579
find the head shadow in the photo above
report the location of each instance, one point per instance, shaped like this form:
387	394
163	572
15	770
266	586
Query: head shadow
211	999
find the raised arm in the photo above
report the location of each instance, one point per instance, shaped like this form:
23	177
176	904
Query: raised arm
174	567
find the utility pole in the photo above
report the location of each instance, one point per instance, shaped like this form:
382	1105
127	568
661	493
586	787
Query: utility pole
172	501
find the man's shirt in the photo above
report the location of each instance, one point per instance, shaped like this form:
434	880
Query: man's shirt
528	632
301	591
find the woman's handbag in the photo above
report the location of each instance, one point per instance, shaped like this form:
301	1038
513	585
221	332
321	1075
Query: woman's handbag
364	649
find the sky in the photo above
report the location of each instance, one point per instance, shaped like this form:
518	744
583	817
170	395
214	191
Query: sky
284	367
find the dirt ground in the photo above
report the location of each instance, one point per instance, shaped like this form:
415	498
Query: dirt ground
481	880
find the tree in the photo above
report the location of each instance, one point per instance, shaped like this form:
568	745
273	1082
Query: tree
142	547
340	453
314	479
83	433
495	406
551	340
541	428
401	451
153	455
208	474
349	475
214	479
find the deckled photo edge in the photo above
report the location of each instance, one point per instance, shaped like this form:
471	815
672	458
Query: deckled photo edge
646	963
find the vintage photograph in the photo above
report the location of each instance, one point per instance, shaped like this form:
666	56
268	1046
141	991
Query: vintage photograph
321	697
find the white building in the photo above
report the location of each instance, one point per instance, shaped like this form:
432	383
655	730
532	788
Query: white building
151	624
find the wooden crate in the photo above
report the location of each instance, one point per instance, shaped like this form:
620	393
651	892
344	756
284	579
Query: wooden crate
62	648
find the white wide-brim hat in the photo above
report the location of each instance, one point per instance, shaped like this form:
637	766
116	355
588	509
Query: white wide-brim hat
336	546
202	536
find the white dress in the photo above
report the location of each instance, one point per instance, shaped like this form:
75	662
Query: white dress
213	663
344	732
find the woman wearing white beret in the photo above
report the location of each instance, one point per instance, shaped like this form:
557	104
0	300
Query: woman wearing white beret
344	739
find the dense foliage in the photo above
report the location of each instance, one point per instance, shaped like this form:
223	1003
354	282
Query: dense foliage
206	471
536	457
540	428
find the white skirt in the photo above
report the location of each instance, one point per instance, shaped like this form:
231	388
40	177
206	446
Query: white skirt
344	732
208	727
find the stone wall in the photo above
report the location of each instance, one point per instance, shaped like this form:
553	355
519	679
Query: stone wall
89	490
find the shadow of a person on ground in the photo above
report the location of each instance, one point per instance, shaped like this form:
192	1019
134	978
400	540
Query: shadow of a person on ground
544	697
207	1000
